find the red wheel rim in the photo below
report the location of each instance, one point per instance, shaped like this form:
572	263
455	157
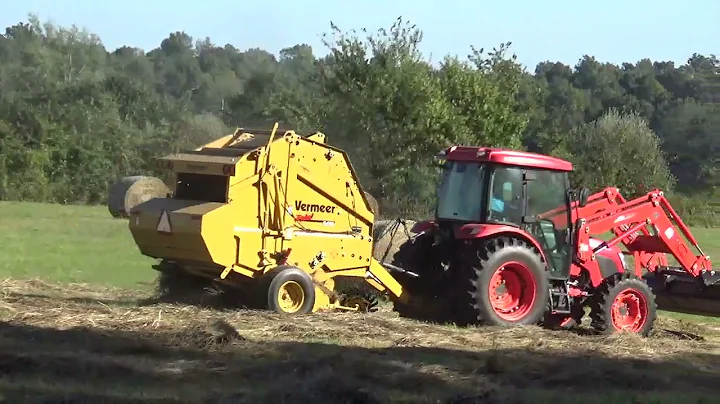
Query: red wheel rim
512	291
629	311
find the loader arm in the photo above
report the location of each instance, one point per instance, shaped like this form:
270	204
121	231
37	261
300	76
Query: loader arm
626	219
606	202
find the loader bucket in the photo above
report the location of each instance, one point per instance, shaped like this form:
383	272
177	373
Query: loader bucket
685	295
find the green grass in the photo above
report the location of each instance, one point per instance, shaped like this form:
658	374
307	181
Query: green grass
69	244
709	240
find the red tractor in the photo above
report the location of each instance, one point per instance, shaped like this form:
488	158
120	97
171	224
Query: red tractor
511	243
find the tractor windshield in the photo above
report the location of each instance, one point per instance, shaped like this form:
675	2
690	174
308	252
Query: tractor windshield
462	192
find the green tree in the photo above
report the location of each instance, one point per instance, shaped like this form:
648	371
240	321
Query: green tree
618	150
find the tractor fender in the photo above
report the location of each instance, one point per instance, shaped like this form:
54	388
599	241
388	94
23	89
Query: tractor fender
476	231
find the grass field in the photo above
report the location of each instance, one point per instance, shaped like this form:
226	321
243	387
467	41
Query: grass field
73	329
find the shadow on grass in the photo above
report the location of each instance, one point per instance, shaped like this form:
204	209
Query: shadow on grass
204	365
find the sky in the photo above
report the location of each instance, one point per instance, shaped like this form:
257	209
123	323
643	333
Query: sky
557	30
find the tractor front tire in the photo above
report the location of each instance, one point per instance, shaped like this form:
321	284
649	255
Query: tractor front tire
508	282
623	303
290	291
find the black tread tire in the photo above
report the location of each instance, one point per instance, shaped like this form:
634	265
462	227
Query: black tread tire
280	275
602	300
482	261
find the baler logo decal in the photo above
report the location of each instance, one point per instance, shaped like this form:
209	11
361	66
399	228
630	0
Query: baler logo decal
164	223
300	206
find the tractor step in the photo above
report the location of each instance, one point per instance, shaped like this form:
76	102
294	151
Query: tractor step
560	301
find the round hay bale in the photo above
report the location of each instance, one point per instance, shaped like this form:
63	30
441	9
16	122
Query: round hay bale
132	191
389	235
374	207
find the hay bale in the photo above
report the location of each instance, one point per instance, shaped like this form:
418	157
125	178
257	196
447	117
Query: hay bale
132	191
374	207
389	235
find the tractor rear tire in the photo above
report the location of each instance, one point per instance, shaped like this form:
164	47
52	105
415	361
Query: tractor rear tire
620	293
520	269
290	291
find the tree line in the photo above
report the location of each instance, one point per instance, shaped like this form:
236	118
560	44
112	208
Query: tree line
75	116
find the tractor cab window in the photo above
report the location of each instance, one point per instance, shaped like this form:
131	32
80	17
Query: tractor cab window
506	203
460	195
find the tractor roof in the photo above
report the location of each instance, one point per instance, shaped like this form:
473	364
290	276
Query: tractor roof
507	157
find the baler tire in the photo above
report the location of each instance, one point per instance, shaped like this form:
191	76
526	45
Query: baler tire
485	260
603	304
298	282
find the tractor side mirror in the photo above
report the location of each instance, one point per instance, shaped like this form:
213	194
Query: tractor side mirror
583	198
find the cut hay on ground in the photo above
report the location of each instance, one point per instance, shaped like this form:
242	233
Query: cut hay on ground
129	192
124	351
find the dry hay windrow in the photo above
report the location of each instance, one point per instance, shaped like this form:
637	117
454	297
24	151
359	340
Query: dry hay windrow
264	356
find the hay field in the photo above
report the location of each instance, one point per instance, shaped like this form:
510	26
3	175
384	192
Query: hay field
75	327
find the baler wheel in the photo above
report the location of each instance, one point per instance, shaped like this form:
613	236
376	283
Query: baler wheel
291	297
291	291
623	303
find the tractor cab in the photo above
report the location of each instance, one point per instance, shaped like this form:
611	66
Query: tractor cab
496	187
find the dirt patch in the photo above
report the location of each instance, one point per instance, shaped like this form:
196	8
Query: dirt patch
50	335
